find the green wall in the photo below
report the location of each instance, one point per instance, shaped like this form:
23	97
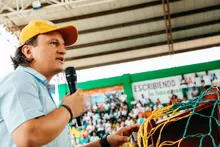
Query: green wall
124	80
128	79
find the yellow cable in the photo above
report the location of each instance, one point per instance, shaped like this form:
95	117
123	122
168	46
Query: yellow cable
144	135
169	143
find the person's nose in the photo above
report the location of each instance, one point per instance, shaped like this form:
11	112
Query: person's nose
62	50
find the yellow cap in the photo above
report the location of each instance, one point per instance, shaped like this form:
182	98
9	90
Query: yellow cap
69	33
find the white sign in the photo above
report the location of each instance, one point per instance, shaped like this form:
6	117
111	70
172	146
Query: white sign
181	85
158	88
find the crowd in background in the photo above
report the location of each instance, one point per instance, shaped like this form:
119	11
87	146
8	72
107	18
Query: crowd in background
114	113
102	118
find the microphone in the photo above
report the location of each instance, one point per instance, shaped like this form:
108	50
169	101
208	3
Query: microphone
72	83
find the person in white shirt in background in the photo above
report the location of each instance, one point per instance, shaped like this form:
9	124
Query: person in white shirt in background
108	126
143	100
117	114
136	110
85	119
94	137
95	107
123	97
90	127
197	81
111	97
132	114
100	129
113	104
103	119
194	92
207	80
124	111
128	121
89	113
141	108
138	104
96	118
106	107
184	86
106	116
183	82
147	108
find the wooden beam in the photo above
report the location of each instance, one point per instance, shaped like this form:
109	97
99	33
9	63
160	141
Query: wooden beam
168	24
150	34
146	57
142	46
108	12
148	20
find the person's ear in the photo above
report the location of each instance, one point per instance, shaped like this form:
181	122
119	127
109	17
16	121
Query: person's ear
27	50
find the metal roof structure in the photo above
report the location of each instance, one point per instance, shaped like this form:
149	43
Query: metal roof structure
116	31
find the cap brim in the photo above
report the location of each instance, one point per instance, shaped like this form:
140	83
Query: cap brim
69	33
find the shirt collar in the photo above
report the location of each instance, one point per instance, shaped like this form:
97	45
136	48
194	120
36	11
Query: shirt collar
33	72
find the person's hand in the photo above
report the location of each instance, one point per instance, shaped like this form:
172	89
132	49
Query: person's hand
122	135
76	102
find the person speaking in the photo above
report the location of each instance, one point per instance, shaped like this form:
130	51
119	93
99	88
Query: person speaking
28	115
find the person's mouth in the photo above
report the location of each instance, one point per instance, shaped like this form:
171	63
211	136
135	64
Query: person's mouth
61	59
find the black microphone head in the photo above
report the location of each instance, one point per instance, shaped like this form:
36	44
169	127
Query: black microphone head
70	74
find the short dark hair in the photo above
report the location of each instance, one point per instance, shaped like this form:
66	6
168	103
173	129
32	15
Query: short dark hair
19	58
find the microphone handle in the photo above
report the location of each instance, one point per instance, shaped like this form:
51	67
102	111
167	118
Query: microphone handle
72	90
78	121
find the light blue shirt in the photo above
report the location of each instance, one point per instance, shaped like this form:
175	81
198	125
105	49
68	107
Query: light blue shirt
24	96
